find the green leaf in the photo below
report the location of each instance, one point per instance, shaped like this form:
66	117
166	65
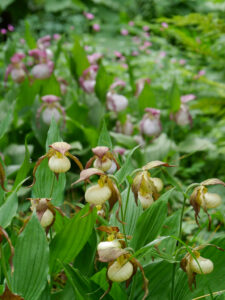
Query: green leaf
126	168
51	87
79	58
117	292
123	139
8	210
146	98
131	213
29	36
46	185
174	97
6	122
67	244
30	261
103	82
5	3
104	137
24	169
53	135
150	222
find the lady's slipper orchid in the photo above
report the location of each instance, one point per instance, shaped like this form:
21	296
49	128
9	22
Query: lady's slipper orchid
194	264
200	197
104	190
44	67
126	127
17	68
145	187
94	58
183	117
103	159
88	79
50	108
57	159
150	124
116	102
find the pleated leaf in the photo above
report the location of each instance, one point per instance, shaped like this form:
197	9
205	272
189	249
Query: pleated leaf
8	210
30	261
67	244
150	222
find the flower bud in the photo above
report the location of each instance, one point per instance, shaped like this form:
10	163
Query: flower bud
103	164
119	273
97	194
18	75
205	264
59	163
157	183
47	218
49	113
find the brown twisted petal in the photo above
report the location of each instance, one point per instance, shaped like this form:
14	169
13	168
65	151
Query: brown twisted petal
156	163
61	147
86	173
2	178
5	234
212	181
100	151
8	295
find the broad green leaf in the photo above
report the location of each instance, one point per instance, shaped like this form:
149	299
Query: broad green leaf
24	169
150	222
104	137
174	97
51	87
123	139
6	122
81	285
103	82
67	244
8	210
5	3
53	134
79	58
126	168
54	6
117	292
29	36
47	186
194	143
146	98
30	261
131	213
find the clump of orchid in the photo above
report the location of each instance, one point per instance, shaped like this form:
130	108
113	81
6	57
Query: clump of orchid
193	263
183	117
16	69
150	124
103	159
45	211
43	67
200	197
114	101
145	187
88	79
58	161
98	194
49	109
122	266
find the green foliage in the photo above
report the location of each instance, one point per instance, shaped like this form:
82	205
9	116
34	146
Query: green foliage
103	82
30	261
146	98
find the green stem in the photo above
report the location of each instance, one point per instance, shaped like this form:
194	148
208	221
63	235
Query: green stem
132	288
128	196
4	269
53	181
123	219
